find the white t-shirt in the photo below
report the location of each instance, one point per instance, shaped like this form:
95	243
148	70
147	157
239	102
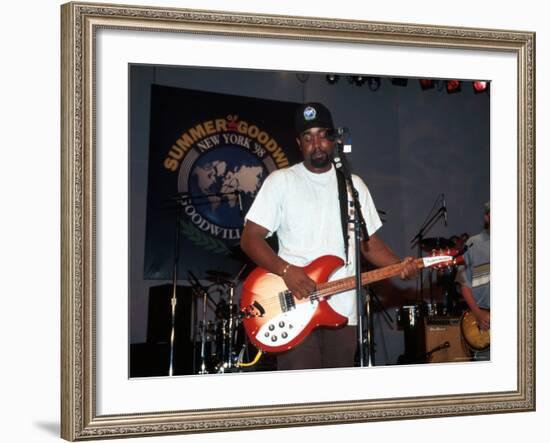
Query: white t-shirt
303	208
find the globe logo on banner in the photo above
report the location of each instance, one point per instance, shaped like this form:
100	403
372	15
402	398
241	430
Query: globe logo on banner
221	165
220	179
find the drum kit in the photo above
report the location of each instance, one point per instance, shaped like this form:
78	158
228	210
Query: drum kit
441	284
219	331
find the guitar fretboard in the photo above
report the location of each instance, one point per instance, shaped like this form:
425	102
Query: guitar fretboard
345	284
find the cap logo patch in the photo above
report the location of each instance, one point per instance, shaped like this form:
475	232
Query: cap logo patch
310	113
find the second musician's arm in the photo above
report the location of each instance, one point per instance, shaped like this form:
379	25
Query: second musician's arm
482	315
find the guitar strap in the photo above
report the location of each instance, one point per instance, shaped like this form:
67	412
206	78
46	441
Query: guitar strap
344	210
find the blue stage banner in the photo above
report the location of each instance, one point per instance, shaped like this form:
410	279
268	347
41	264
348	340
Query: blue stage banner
209	155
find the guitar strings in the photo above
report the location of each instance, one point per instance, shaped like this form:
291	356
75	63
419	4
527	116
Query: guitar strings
331	288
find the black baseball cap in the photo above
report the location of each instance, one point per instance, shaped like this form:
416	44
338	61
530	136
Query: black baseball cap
312	115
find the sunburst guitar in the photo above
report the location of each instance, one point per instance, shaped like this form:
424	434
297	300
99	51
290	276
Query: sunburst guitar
476	339
276	321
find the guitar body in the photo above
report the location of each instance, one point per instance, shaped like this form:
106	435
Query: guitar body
475	338
274	320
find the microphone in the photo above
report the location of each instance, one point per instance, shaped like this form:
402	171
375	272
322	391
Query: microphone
344	139
336	134
444	209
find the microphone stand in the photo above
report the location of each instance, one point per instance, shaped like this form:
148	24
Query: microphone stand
359	230
174	299
419	237
387	317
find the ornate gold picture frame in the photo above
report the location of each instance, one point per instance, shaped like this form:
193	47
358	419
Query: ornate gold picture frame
80	390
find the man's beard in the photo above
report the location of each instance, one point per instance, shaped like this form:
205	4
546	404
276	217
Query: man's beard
320	162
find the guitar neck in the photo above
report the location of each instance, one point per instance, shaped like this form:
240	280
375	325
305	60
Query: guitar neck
348	283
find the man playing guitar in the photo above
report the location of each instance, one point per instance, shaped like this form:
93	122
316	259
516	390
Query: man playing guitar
474	279
301	204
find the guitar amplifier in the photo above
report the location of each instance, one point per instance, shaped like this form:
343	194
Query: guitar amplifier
444	340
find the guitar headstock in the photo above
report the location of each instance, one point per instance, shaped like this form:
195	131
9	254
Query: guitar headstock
443	258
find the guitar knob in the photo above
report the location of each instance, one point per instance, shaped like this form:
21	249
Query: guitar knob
271	327
281	324
267	334
284	335
273	338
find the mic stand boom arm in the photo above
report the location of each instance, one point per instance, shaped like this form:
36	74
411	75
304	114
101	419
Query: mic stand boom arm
419	238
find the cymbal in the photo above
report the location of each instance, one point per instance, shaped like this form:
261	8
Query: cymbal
436	243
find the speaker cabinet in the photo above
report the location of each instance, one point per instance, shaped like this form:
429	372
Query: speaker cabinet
444	340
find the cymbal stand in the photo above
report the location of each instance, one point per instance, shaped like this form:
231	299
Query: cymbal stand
203	325
230	359
376	301
419	237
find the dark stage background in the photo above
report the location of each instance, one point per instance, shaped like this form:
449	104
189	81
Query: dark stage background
409	145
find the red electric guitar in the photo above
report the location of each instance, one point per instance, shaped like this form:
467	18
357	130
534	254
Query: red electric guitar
276	321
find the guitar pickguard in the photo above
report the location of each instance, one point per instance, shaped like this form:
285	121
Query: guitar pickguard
285	327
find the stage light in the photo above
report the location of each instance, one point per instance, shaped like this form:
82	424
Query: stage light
453	86
480	86
359	80
399	81
374	83
332	78
426	83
